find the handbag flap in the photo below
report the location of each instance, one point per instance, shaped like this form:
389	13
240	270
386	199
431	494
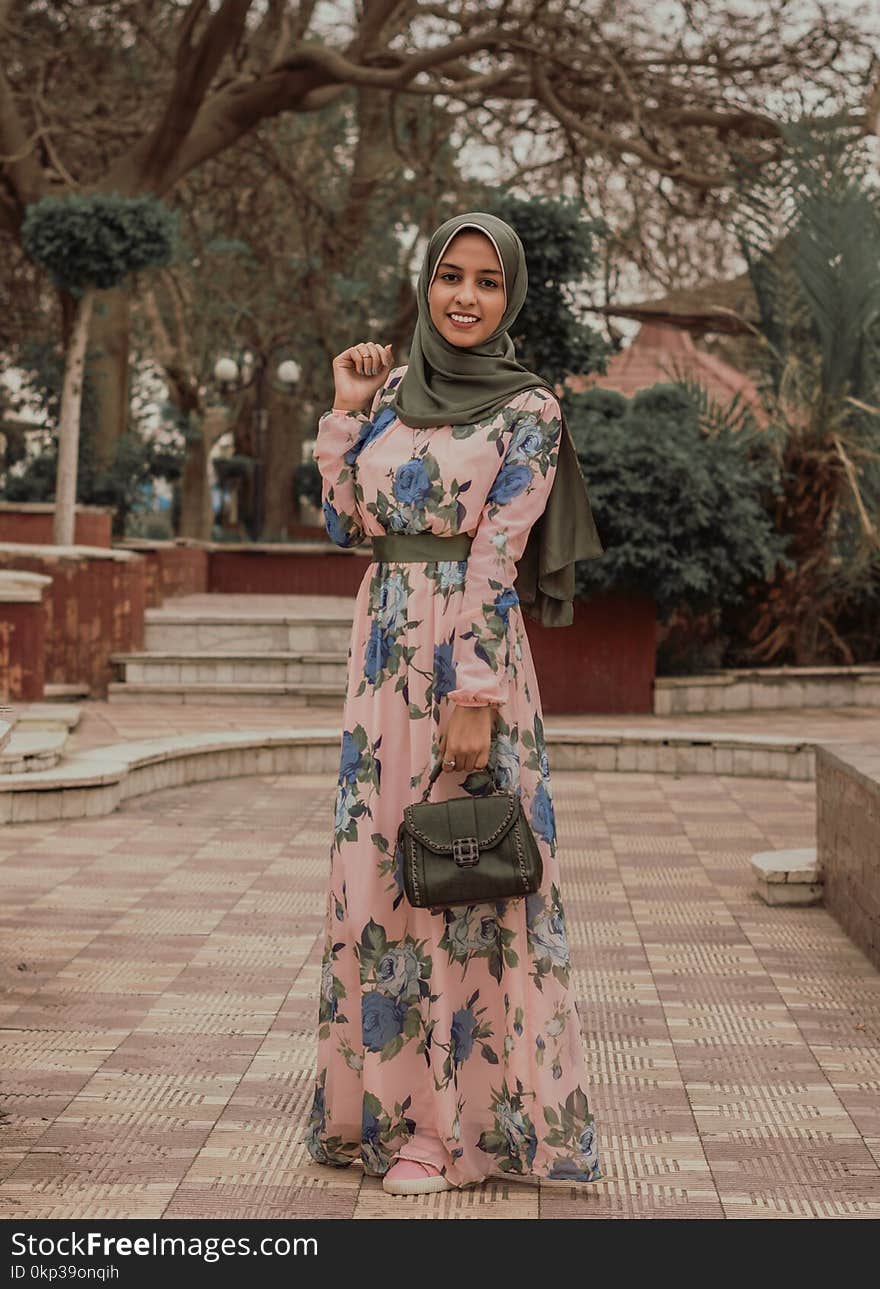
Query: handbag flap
436	824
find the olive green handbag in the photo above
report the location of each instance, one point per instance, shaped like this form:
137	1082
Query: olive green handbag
467	850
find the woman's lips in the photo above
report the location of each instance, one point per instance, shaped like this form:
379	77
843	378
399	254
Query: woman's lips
462	326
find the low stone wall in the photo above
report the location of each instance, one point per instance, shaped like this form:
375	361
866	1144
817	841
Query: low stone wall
94	608
848	839
22	636
31	522
742	689
177	567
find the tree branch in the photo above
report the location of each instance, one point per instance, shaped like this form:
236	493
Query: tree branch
611	143
196	65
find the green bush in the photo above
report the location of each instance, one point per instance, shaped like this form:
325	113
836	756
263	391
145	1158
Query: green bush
682	514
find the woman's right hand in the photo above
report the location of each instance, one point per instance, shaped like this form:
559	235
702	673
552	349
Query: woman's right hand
359	373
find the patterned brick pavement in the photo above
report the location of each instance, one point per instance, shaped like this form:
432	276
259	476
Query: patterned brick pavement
161	969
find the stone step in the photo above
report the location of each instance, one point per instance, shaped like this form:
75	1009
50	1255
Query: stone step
167	631
229	693
61	693
279	667
46	716
29	750
788	876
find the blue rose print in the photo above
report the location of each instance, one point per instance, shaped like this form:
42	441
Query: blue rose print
534	908
464	1022
505	601
346	803
336	530
527	441
377	653
371	431
510	481
586	1139
370	1127
350	759
541	814
444	670
411	482
569	1171
382	1019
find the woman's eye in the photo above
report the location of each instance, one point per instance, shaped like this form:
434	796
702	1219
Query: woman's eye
487	281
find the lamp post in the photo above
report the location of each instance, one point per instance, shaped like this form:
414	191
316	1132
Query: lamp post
253	371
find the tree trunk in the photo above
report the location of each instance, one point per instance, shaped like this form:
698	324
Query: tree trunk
196	511
282	452
109	374
64	519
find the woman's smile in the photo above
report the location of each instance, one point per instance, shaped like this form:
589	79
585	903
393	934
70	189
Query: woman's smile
463	320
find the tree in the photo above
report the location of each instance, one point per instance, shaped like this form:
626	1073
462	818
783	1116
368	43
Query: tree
562	246
147	91
810	231
89	244
285	252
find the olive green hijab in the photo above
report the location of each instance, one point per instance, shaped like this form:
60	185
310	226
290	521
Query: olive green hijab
446	384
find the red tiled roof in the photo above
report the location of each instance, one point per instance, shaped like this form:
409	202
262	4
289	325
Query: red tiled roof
659	353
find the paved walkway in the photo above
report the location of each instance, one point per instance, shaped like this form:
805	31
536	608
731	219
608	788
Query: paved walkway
162	966
102	723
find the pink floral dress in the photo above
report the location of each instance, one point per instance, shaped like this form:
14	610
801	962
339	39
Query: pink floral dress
450	1036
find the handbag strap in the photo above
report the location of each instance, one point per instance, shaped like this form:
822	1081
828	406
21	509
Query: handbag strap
438	766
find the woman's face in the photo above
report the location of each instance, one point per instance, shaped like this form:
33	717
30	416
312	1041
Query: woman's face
468	282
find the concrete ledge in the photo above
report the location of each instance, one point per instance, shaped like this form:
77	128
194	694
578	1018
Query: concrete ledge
749	689
94	782
19	587
848	837
30	750
788	876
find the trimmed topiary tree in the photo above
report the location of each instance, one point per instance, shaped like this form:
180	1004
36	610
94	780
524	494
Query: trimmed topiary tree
90	243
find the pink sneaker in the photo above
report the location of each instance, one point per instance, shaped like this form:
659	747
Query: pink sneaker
412	1177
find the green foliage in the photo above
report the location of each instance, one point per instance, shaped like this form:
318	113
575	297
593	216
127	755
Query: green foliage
95	241
682	512
809	228
551	334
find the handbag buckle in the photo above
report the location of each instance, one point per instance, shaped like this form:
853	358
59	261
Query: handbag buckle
466	851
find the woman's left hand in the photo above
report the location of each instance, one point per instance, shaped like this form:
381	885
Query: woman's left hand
467	738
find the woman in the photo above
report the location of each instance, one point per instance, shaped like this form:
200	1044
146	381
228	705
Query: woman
449	1046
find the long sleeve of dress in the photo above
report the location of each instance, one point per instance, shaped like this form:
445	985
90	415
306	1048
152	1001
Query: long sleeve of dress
341	436
338	433
480	651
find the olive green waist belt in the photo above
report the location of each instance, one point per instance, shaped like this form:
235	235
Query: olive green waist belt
421	547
